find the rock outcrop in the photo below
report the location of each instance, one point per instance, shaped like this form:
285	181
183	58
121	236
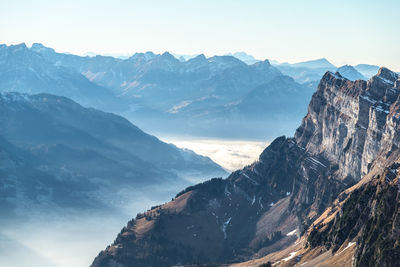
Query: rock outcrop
350	132
349	122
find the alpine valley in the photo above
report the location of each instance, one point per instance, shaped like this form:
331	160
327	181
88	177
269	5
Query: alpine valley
78	159
329	196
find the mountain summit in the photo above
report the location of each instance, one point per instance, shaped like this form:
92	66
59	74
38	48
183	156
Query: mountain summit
315	188
158	91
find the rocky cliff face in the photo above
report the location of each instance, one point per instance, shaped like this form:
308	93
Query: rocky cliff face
366	215
350	129
349	122
360	227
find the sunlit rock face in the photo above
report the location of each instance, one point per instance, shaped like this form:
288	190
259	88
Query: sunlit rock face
351	122
366	215
348	126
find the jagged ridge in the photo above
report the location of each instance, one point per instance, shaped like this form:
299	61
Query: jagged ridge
348	125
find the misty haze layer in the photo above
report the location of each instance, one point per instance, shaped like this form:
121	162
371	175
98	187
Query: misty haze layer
77	174
230	154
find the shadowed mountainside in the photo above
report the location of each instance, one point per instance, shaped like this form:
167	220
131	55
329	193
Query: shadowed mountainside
57	153
350	127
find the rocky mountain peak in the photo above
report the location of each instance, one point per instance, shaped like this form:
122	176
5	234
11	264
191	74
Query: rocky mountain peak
38	45
332	79
265	63
379	85
349	121
142	56
198	58
387	75
348	126
262	65
21	45
168	56
43	50
16	48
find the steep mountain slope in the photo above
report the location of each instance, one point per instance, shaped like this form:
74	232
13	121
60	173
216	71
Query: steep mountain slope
349	130
366	215
367	219
55	152
360	228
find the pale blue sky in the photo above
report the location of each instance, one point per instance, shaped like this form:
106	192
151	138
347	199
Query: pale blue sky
342	31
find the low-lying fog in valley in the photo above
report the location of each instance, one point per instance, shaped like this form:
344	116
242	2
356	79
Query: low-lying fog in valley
66	239
199	133
74	239
230	154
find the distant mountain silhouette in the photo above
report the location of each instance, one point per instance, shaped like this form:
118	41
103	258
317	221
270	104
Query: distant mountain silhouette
169	95
350	73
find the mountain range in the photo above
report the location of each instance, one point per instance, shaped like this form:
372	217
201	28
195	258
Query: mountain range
199	96
326	197
24	70
311	71
57	154
329	196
